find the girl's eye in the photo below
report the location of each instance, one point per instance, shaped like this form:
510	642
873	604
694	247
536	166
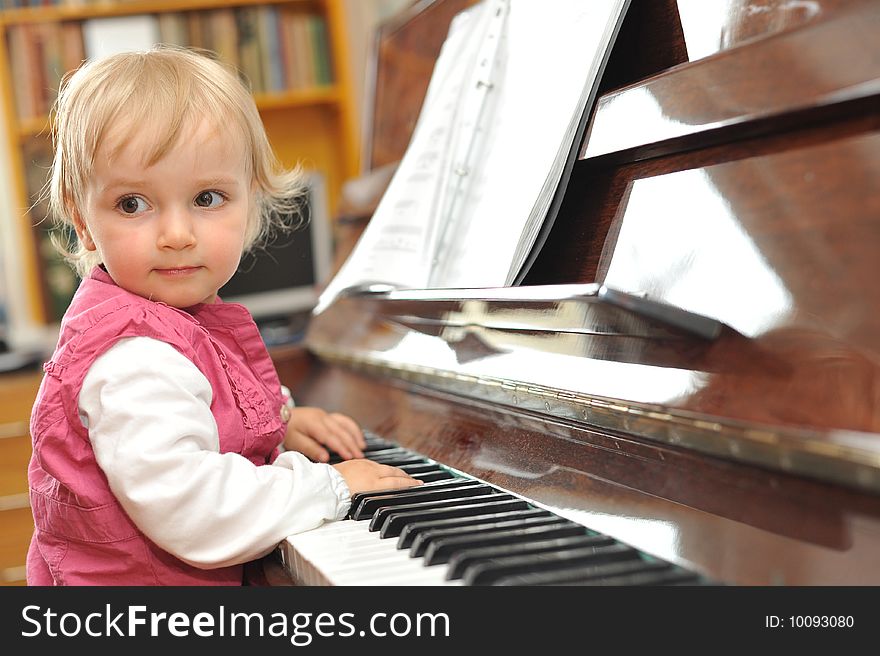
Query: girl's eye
209	199
132	204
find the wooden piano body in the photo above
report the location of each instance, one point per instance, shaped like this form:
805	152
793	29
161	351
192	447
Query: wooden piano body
741	185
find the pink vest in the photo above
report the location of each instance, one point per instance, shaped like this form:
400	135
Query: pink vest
82	535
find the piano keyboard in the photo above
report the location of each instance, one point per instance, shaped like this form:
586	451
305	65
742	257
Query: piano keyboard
455	530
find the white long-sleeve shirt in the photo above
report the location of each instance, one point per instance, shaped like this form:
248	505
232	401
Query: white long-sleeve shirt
147	409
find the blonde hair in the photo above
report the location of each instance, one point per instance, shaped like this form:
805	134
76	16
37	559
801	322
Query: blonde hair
165	89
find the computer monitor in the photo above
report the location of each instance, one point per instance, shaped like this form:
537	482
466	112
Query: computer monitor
281	279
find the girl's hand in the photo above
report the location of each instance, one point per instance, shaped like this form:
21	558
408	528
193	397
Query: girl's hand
312	431
366	475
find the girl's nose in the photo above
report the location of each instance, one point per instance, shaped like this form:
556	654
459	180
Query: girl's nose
176	230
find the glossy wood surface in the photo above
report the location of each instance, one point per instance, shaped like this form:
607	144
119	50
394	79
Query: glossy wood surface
737	524
782	247
657	35
775	234
746	189
825	69
710	27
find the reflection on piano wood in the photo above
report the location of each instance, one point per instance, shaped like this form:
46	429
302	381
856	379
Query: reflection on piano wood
456	530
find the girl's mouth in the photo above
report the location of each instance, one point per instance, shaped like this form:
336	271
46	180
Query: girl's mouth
178	271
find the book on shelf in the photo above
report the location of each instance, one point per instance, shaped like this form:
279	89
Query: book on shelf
22	70
51	61
40	54
58	280
173	28
300	55
318	40
249	57
73	51
223	35
197	34
481	180
270	48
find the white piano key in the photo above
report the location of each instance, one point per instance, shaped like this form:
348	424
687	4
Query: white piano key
348	553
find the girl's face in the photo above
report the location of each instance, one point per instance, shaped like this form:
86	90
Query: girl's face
173	231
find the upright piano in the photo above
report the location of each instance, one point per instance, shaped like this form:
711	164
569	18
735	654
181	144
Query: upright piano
690	369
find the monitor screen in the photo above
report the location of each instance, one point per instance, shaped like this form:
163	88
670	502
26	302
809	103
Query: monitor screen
280	279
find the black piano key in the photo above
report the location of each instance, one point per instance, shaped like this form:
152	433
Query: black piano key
671	577
374	440
398	460
410	531
369	506
390	521
383	448
399	522
445	483
402	458
461	560
421	468
585	575
357	498
430	477
442	549
359	509
487	572
381	452
426	539
373	446
373	452
336	458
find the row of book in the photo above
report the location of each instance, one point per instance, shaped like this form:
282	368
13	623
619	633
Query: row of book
39	55
274	49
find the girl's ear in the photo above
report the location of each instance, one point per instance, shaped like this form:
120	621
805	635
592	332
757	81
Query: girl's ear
82	230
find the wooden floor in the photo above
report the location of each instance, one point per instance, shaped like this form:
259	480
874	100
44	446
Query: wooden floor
17	392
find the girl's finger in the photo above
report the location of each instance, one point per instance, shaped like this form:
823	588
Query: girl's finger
342	441
309	447
351	427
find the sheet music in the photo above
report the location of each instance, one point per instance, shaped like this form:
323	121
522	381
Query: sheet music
478	100
471	192
399	246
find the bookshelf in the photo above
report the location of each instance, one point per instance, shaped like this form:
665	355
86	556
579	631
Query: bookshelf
292	52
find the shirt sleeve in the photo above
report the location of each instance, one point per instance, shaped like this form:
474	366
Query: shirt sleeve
148	412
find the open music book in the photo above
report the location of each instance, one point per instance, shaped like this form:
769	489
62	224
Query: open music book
495	140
